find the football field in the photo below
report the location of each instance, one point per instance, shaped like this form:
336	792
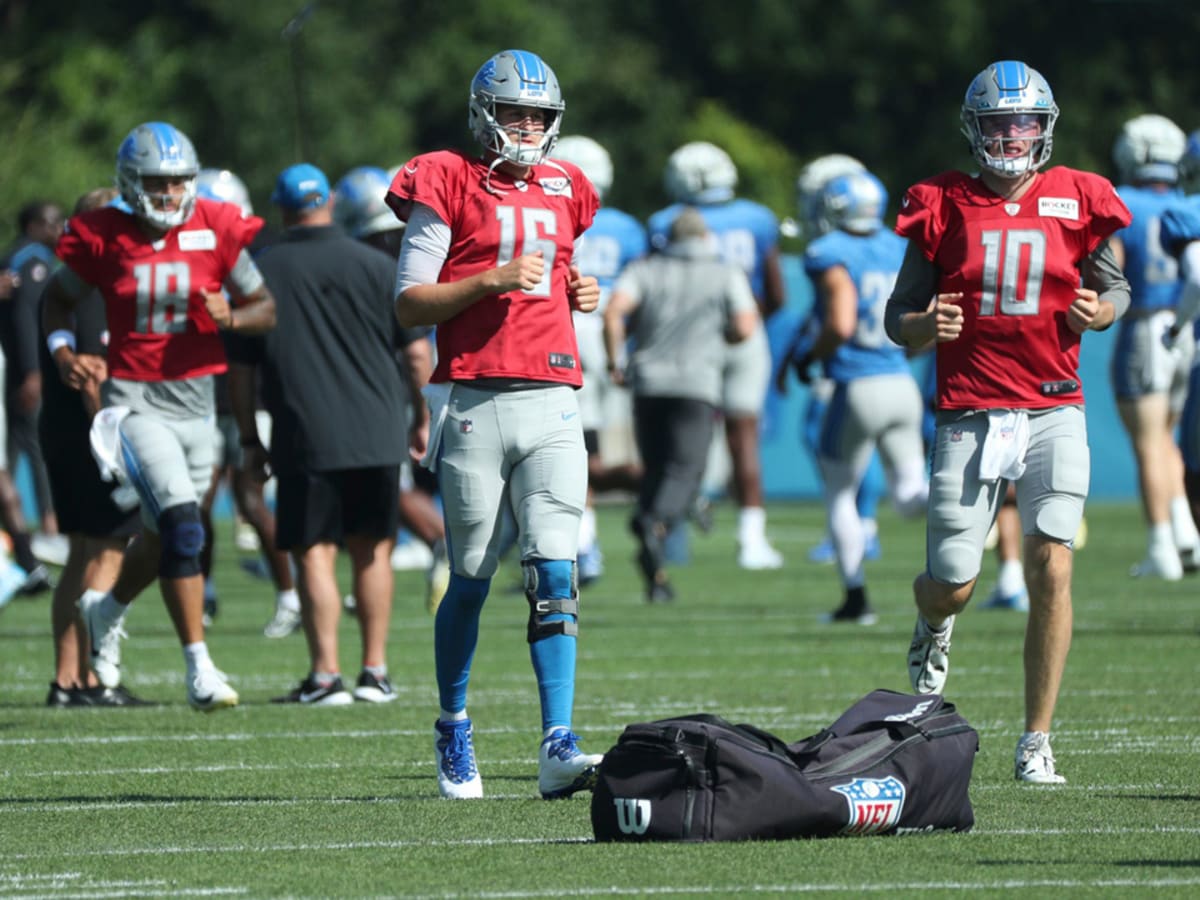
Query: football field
279	800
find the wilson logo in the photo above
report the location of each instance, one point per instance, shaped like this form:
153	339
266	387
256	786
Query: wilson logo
633	816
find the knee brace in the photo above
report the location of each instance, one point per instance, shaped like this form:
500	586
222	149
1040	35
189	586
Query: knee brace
182	536
552	589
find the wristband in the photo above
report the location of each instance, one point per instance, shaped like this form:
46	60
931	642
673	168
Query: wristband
60	338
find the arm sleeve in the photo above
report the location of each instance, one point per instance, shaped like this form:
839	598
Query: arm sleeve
1102	274
424	249
245	276
916	284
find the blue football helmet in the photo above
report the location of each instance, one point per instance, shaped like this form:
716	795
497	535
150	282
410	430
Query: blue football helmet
855	202
156	148
225	187
700	173
517	78
810	186
590	156
360	206
1010	89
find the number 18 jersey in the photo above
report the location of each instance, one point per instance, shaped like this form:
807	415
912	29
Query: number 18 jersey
1017	263
159	326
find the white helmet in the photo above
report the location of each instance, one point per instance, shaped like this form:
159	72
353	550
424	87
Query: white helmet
592	158
1015	91
222	185
700	173
361	206
1149	148
810	185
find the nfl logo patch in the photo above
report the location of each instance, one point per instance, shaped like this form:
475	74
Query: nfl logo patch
875	804
466	426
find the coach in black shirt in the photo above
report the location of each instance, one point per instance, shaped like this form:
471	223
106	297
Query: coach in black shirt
338	434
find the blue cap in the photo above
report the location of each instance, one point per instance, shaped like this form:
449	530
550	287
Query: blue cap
299	187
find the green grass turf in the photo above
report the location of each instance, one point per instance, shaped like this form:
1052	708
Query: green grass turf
271	800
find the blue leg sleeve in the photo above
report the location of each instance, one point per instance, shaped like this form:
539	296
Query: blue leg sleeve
552	635
455	634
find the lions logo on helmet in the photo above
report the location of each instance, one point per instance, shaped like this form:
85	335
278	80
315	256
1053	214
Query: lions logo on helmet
1013	90
157	149
700	173
1149	148
591	158
224	187
515	78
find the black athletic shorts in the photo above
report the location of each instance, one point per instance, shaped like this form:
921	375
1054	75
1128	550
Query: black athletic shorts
82	499
324	507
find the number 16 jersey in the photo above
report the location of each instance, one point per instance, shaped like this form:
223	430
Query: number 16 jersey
1017	264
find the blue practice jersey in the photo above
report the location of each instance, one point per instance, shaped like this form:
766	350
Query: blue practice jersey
746	232
1153	274
614	240
873	262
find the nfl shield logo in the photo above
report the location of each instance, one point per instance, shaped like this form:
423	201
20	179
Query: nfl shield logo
466	426
875	804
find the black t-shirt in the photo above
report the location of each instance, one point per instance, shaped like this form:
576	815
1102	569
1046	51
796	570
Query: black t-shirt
20	316
329	376
63	419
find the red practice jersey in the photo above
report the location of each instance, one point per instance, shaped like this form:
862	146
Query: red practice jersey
525	335
159	327
1017	264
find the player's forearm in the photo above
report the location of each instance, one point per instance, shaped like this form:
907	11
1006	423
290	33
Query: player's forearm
433	304
1101	272
255	315
916	285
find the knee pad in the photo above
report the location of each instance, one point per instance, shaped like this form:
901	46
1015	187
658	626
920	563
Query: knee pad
182	537
552	589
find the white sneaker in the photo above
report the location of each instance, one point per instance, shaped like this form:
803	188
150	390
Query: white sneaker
929	656
245	538
105	637
284	622
1162	561
458	776
51	549
563	769
208	690
759	555
1035	762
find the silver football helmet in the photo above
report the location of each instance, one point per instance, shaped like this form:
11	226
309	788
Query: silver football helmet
1149	148
810	185
700	173
854	202
156	148
592	158
360	206
225	187
515	77
1009	89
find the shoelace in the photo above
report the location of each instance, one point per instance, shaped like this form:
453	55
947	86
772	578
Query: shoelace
110	644
563	745
459	755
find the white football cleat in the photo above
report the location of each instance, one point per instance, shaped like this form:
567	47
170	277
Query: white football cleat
458	776
564	769
208	690
929	656
759	555
105	637
1035	762
1162	561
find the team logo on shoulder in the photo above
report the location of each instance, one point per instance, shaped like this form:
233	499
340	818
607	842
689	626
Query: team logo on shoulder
1059	207
556	187
875	804
200	239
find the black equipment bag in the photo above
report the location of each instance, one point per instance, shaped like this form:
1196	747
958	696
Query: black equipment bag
892	763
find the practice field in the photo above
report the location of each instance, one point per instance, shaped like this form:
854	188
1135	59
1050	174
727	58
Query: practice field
270	800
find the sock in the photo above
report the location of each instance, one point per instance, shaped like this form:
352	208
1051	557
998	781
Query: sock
447	716
1011	578
1160	535
752	525
587	529
455	634
553	657
288	599
196	657
377	671
1182	526
324	679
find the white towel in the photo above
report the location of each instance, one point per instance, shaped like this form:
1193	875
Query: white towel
105	438
1004	448
437	397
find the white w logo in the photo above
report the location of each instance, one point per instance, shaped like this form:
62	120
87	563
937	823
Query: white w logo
633	816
